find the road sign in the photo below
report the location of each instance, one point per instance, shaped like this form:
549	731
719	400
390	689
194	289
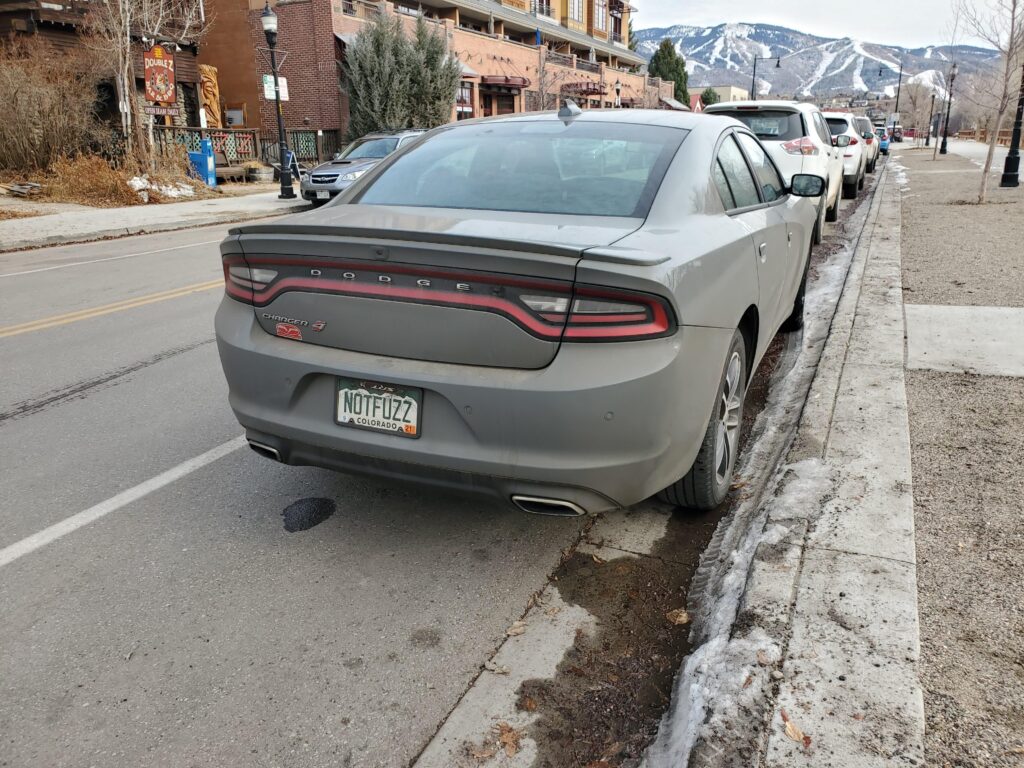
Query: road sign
268	87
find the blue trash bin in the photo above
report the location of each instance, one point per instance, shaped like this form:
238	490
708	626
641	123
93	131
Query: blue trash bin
203	164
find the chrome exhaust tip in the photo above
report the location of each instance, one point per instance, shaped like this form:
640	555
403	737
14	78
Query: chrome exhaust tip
536	505
265	450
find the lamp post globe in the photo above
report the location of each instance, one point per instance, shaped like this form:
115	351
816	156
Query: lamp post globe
949	107
268	19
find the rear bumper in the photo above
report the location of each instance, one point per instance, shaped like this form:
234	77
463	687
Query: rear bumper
605	425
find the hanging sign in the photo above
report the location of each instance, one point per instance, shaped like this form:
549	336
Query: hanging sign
158	63
268	87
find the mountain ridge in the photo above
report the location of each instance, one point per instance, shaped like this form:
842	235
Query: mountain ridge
810	65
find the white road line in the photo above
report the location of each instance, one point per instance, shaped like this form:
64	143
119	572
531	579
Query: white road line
109	258
49	535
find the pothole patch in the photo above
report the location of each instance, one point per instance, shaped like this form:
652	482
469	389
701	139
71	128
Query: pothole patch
306	513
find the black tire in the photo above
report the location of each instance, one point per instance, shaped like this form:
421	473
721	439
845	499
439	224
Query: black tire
860	184
704	487
832	214
816	235
871	168
849	190
795	321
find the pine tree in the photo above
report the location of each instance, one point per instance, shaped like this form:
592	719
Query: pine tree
669	65
709	96
433	78
377	75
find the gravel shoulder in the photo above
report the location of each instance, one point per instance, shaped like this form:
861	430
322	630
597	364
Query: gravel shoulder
967	445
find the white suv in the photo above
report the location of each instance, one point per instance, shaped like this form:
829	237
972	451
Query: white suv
867	131
855	159
798	140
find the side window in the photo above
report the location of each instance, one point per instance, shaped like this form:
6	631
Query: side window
768	179
822	126
737	174
723	186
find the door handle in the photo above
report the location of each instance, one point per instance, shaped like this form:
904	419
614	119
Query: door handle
763	250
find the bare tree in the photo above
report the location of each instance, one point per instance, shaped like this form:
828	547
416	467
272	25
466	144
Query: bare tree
120	27
1000	23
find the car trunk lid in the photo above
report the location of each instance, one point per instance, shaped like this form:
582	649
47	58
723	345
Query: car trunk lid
451	286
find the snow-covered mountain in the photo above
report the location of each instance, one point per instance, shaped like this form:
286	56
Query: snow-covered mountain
810	65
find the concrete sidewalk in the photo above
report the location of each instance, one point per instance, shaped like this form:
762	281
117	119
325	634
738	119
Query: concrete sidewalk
85	224
822	657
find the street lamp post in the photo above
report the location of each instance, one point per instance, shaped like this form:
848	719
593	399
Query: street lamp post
618	93
753	78
949	108
1011	167
931	114
896	109
269	21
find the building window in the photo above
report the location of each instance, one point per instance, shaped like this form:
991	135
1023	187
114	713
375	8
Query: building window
601	14
576	10
464	102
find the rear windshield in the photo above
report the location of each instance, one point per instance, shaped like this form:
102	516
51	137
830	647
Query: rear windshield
769	125
369	149
837	125
585	168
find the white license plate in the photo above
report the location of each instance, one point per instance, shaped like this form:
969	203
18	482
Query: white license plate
323	194
379	407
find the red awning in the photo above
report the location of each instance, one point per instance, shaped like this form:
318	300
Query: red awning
511	81
585	87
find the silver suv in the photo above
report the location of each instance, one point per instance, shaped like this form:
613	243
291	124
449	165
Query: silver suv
336	175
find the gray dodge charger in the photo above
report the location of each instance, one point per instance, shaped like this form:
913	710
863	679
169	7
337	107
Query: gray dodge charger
561	310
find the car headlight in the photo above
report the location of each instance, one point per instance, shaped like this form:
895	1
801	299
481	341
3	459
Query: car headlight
352	175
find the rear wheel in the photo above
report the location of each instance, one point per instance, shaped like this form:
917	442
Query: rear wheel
860	184
819	225
832	212
707	483
849	190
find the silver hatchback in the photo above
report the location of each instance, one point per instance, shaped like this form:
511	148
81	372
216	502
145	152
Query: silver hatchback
562	311
336	175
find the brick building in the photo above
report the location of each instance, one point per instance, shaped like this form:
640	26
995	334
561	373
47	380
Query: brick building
516	56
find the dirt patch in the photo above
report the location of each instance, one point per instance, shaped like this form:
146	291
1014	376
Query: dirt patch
605	702
6	214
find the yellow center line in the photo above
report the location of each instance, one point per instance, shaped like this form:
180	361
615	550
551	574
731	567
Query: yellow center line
86	314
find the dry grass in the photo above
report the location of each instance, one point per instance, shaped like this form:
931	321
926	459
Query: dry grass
6	214
88	180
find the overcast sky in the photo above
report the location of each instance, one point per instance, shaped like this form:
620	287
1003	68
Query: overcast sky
909	23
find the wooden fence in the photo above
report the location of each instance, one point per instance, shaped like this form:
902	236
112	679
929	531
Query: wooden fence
983	134
240	145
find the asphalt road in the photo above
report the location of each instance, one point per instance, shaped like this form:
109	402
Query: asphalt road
156	611
188	627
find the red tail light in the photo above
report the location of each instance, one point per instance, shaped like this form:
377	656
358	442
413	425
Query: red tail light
853	140
868	139
548	309
802	146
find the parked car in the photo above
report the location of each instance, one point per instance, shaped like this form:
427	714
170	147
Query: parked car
854	158
338	174
481	311
883	140
867	132
799	141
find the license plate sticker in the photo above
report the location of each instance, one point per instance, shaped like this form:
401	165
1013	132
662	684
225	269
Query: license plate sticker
379	407
323	194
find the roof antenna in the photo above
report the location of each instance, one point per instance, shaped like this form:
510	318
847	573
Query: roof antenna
570	111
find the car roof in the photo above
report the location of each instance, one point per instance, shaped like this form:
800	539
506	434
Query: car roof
803	106
392	134
697	122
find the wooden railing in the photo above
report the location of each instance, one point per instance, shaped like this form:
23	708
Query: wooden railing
309	146
237	144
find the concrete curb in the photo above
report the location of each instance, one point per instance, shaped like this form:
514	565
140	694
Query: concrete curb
110	233
834	587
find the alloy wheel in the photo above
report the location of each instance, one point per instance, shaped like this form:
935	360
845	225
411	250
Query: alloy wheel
730	408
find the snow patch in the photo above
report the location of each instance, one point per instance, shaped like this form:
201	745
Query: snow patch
143	186
724	683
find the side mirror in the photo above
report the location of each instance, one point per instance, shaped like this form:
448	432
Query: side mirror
807	185
841	141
